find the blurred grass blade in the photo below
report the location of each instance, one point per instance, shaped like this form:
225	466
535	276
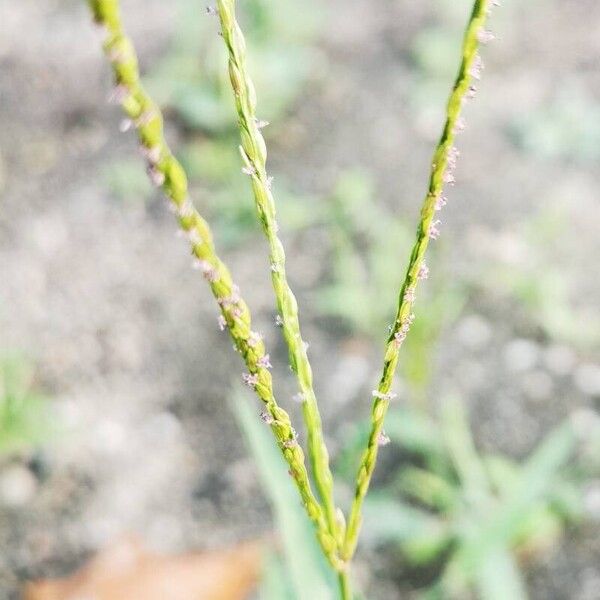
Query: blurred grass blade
275	583
468	465
499	578
428	488
310	575
537	478
421	535
409	429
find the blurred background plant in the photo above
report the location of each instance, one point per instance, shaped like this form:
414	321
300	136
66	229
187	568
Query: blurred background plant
23	411
471	517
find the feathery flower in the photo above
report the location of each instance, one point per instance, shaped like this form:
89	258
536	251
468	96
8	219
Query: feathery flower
250	379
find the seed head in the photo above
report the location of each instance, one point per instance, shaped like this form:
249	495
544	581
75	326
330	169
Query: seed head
440	202
157	178
186	209
194	236
453	154
383	439
264	362
292	441
152	155
485	36
119	94
459	125
267	418
254	339
401	334
476	68
145	118
116	55
250	379
449	177
261	124
208	271
434	232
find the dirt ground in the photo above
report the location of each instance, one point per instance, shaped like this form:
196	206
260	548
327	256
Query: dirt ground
100	294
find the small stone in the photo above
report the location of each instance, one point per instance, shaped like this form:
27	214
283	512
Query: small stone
521	355
17	486
471	375
591	499
587	379
559	359
474	332
538	385
586	423
125	125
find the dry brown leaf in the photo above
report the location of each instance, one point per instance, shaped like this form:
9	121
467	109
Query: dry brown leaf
126	571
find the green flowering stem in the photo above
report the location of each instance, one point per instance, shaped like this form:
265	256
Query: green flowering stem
254	156
442	165
166	172
344	583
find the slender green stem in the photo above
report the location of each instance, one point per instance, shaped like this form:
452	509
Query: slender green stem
254	155
344	583
166	172
442	164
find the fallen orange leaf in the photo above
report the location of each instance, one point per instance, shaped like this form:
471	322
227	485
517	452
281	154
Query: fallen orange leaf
126	571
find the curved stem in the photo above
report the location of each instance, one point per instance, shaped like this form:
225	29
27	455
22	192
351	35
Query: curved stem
254	156
166	172
441	167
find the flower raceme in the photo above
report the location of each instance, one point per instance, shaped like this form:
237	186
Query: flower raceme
337	539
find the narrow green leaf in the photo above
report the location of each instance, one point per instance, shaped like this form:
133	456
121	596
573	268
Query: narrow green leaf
310	575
